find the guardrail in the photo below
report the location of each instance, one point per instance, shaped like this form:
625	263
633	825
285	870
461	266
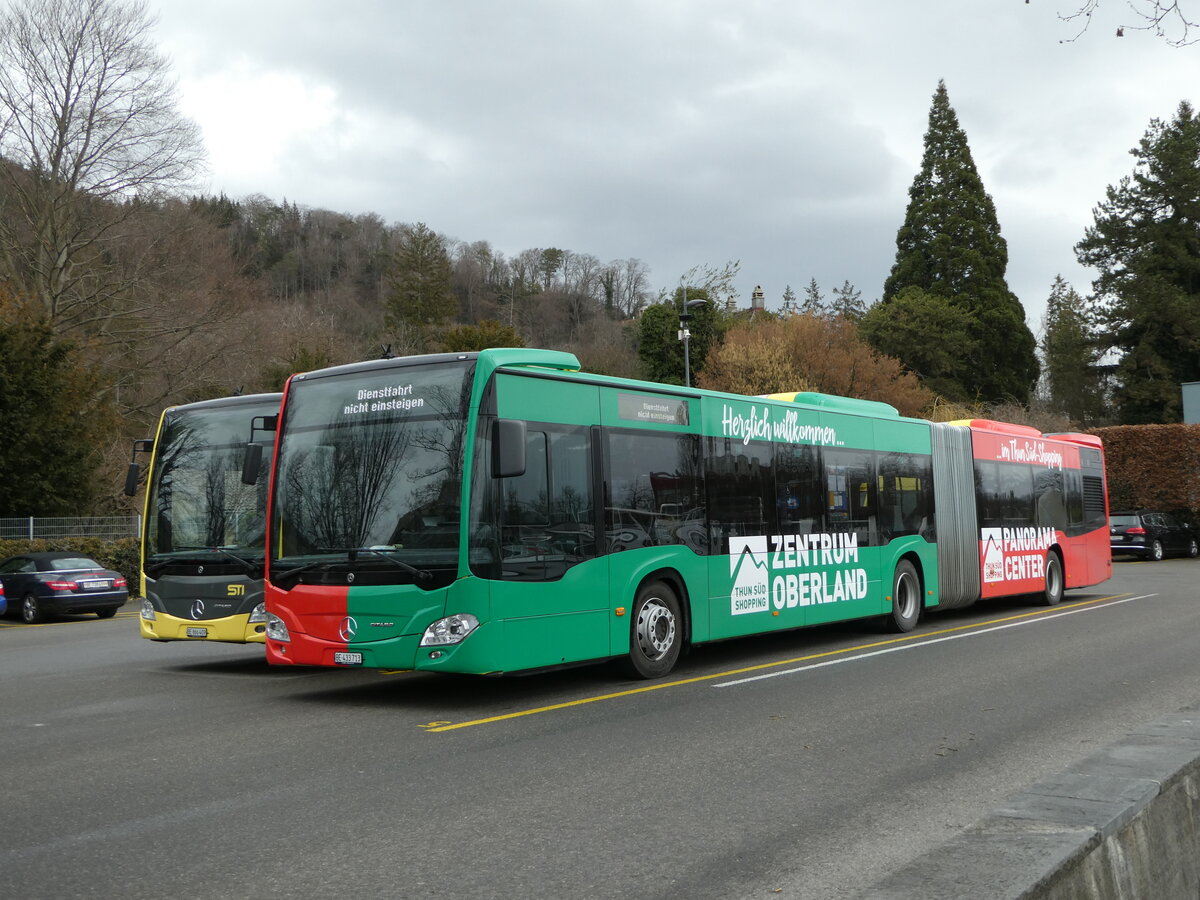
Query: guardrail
107	527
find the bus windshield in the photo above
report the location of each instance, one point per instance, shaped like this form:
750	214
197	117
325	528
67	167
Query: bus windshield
370	474
197	498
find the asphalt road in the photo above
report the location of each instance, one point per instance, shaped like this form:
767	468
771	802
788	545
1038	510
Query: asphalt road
132	769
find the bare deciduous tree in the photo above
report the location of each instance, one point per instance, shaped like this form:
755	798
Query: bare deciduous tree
1165	18
89	130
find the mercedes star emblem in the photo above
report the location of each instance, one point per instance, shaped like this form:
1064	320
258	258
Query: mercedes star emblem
348	629
197	608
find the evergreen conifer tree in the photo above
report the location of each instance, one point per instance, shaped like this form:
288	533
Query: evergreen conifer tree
48	467
847	302
790	307
1070	356
1146	245
814	301
950	246
420	292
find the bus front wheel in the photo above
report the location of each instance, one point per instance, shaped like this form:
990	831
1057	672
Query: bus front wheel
1053	593
906	598
655	632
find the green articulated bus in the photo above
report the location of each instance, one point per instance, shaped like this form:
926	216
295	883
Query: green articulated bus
204	529
502	511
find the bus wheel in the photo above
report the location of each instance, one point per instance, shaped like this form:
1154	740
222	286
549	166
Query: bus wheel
1053	593
656	632
906	598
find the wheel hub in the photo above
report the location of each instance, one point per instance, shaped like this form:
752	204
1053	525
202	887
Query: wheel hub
655	629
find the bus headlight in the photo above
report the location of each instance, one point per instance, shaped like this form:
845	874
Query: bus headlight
449	630
148	610
276	630
259	613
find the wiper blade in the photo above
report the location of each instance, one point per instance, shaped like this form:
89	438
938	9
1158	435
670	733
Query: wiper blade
351	556
180	553
304	567
419	574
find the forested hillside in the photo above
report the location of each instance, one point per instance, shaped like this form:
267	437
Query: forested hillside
123	289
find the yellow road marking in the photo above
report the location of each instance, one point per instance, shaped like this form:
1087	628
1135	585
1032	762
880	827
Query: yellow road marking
615	695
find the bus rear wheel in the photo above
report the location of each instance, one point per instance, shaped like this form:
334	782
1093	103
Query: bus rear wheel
906	598
655	631
1053	593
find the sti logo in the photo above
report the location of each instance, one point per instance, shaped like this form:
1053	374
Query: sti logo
748	567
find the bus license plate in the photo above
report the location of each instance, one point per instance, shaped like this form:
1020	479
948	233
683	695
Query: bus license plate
197	632
347	659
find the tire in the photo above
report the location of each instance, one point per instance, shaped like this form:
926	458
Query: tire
1053	593
32	610
1156	551
906	599
655	632
106	613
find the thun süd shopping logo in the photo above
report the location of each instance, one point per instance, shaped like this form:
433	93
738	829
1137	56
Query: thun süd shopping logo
748	564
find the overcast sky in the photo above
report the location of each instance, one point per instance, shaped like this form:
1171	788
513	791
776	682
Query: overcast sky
782	134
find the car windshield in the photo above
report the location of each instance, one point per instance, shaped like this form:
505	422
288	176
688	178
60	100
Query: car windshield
71	562
197	498
370	470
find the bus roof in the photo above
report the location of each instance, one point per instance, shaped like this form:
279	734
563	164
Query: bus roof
222	402
1075	437
837	404
489	359
1001	427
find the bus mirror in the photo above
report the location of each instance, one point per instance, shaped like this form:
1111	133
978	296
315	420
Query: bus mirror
508	448
251	463
131	479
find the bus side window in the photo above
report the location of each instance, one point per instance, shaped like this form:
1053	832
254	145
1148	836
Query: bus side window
798	489
850	494
740	482
546	513
655	491
1051	500
905	495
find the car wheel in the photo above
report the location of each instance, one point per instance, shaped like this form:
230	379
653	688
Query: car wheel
32	611
1156	550
1193	548
106	613
1053	593
655	632
906	599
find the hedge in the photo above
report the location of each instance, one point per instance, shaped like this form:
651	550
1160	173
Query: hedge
1153	467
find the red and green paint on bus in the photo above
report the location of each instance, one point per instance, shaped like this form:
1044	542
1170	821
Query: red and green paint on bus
502	511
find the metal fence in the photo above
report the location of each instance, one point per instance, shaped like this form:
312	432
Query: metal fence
107	527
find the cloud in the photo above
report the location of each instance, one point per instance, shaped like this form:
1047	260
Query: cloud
677	132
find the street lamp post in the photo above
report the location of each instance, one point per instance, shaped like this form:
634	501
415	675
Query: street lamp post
684	318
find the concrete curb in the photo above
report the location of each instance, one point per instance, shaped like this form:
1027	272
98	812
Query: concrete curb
1123	823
